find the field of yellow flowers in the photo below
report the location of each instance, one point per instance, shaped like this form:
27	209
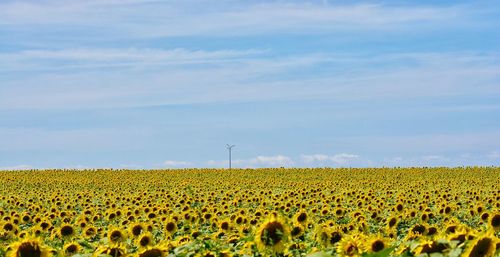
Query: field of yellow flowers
251	212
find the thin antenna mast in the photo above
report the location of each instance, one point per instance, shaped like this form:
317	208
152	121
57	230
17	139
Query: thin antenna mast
229	148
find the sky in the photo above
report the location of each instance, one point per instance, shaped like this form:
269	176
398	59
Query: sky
144	84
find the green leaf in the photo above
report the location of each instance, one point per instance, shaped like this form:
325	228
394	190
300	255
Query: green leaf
455	252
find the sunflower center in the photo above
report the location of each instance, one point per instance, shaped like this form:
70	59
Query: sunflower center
495	221
481	248
71	249
451	229
136	230
433	248
8	227
335	237
151	253
144	241
170	226
302	217
116	235
67	231
29	249
272	233
392	222
90	232
44	225
351	250
378	245
419	229
431	231
296	231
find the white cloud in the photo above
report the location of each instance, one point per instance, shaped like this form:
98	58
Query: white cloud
176	164
271	161
256	162
338	159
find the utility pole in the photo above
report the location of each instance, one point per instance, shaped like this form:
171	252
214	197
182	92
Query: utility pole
229	148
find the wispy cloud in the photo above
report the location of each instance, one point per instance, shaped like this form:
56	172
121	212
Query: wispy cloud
243	75
452	160
177	164
128	54
256	162
128	58
224	17
273	161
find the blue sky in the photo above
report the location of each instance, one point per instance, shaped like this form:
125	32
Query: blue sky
166	84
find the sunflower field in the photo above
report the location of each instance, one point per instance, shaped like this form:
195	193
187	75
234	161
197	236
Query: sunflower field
251	212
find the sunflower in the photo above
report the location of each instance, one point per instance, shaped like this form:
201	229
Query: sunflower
418	229
156	251
71	249
116	235
28	247
45	225
391	233
392	222
430	246
182	241
245	230
225	225
431	231
144	240
452	226
494	222
297	230
171	227
90	232
482	246
322	235
272	235
300	217
9	227
350	246
376	244
114	250
461	234
66	231
136	229
233	239
335	236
